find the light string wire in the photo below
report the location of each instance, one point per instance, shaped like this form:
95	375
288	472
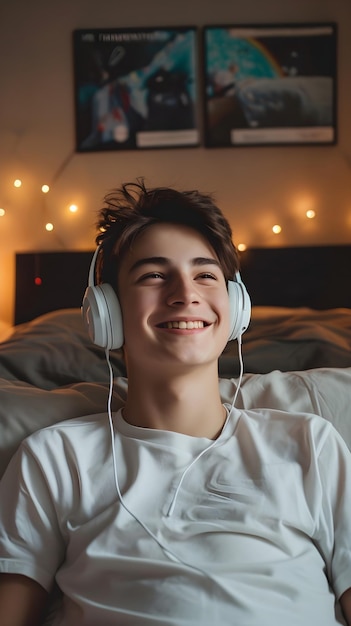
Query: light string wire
44	204
46	211
172	555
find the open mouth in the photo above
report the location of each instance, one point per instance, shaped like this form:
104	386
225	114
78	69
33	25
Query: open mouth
183	325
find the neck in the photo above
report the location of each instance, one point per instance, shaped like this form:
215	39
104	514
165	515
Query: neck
189	404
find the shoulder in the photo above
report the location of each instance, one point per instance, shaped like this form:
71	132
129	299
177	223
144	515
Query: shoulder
58	458
289	433
266	418
78	438
69	428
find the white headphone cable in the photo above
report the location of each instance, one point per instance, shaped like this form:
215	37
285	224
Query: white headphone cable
168	551
172	505
241	372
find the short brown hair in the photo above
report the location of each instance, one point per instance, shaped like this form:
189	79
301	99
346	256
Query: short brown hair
129	210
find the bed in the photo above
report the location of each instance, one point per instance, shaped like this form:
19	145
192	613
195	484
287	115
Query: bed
297	350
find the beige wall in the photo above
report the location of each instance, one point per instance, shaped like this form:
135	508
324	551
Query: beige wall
256	187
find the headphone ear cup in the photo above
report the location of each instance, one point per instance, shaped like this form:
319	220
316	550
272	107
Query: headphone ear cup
102	316
239	309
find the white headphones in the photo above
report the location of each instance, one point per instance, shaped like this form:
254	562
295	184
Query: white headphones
102	313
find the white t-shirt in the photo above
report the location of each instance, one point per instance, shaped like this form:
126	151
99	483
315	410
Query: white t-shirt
258	528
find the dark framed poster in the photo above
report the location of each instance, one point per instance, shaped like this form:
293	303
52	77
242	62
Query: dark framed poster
135	88
270	84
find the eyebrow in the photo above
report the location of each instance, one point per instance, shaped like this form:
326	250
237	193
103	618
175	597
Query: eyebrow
161	260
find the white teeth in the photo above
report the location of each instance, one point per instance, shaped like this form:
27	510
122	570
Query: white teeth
186	325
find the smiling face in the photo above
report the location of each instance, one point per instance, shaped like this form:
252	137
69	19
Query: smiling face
174	301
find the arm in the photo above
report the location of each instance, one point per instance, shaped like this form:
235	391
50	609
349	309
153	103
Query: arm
31	543
345	603
22	600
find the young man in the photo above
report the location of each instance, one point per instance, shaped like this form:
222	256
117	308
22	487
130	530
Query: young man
185	512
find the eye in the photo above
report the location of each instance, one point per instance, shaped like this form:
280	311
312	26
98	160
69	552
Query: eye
206	276
151	276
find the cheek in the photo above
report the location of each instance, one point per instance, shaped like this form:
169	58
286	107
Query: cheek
225	316
135	308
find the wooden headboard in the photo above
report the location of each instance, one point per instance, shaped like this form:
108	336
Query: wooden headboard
318	277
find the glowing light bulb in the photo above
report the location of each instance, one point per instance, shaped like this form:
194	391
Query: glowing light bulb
17	182
49	226
2	212
73	208
38	281
242	247
310	214
277	229
45	188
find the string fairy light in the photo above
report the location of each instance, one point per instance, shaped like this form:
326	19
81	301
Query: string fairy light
49	226
304	208
241	247
277	229
45	188
310	214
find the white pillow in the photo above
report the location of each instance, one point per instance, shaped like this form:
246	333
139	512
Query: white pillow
324	391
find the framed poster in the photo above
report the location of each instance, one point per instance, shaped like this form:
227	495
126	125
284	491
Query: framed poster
270	84
135	88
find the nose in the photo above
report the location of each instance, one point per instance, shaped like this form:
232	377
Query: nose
182	291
